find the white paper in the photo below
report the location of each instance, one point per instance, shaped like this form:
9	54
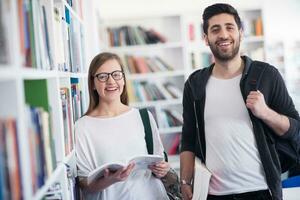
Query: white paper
141	162
201	180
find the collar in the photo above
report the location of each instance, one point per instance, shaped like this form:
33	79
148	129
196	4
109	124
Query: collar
247	63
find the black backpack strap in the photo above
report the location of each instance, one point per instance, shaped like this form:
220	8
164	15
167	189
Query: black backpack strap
148	132
256	72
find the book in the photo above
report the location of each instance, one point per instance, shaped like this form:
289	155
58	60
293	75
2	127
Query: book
201	180
4	54
141	162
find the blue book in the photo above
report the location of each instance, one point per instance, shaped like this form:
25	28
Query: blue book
291	182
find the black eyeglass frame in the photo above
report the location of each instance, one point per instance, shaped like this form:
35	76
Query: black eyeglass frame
111	74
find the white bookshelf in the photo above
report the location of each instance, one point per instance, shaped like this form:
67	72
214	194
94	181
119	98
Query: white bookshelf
40	86
171	51
184	37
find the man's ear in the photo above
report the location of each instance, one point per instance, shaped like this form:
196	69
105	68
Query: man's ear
241	34
205	38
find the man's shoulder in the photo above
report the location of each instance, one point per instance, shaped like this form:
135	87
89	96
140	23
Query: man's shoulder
200	73
257	63
267	67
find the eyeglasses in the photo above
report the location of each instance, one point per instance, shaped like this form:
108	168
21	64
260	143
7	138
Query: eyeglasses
104	76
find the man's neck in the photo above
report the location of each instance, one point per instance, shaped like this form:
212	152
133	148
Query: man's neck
228	69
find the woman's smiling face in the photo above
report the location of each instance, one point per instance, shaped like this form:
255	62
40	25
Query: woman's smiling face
111	89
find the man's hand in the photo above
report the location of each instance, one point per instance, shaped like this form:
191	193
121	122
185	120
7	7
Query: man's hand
256	103
186	191
276	121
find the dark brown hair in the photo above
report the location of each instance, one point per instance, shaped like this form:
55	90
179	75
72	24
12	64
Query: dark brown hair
217	9
96	63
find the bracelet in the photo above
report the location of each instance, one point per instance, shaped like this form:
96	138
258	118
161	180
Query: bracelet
184	182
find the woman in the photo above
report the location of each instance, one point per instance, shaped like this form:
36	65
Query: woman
111	131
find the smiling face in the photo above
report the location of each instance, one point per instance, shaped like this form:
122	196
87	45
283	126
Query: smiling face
223	37
111	89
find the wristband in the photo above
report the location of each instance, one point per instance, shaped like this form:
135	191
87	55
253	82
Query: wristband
184	182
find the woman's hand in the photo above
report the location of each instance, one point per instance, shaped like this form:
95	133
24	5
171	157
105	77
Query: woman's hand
119	175
160	169
108	179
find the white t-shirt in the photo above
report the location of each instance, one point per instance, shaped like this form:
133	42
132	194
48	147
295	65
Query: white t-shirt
231	150
117	139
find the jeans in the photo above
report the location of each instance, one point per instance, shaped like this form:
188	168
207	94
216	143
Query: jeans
255	195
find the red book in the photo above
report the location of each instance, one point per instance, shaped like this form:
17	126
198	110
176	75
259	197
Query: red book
191	32
175	144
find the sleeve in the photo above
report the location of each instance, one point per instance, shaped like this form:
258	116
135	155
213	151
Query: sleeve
189	123
81	151
283	104
158	148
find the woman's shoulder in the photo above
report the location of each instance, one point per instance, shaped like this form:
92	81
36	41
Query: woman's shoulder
81	121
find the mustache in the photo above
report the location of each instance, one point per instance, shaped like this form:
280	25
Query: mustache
224	40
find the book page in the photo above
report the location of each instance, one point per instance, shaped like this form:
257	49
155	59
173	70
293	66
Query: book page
99	172
142	162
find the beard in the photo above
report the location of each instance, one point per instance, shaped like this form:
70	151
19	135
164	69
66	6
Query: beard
227	55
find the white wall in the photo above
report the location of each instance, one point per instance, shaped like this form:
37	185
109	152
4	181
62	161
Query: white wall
129	8
282	19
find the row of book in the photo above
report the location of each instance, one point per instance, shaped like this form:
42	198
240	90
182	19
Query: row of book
256	53
150	91
67	119
5	13
200	60
170	118
145	64
41	145
293	60
133	35
194	33
171	143
50	36
76	6
10	172
275	55
253	27
77	103
70	99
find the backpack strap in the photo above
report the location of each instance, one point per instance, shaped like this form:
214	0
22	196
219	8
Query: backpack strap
256	72
148	132
147	129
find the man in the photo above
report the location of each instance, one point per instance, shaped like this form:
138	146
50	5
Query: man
236	130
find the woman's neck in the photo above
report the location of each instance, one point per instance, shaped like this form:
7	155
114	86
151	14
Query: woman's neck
111	109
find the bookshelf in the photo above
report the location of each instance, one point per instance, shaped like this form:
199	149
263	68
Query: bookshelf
183	52
154	64
284	55
44	90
